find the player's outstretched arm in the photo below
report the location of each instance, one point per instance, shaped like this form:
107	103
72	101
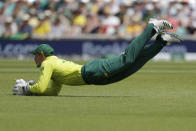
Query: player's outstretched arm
53	89
41	86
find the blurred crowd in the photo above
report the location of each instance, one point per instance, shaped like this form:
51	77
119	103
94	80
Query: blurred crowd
54	19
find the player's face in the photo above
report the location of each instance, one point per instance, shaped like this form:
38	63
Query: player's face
39	58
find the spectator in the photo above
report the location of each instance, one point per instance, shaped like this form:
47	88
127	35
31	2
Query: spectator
10	28
79	19
191	27
181	29
109	22
33	20
25	28
2	19
58	29
92	24
44	27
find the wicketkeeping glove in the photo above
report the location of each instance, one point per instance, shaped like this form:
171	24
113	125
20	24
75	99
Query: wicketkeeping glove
21	88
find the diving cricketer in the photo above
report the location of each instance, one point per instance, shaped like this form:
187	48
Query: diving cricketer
55	72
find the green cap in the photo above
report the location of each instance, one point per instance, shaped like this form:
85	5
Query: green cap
46	49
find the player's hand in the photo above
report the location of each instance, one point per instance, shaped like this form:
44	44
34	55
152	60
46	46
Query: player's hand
21	88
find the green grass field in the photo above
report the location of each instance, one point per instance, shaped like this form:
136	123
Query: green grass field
160	97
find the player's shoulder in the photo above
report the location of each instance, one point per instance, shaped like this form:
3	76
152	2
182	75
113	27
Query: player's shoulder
50	60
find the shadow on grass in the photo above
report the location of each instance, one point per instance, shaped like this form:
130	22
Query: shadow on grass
91	96
70	96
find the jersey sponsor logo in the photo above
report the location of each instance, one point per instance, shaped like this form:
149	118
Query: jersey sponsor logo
106	74
42	68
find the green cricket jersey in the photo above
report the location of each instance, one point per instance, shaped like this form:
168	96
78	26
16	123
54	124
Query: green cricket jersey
54	73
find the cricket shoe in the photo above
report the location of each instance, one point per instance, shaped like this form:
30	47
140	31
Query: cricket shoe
160	25
170	37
